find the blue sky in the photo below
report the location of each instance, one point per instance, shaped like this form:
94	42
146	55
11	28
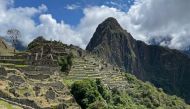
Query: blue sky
60	9
75	21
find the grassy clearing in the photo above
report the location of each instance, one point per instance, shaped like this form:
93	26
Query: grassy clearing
68	82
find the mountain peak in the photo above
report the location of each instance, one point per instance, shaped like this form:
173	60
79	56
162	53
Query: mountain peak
110	23
111	19
109	31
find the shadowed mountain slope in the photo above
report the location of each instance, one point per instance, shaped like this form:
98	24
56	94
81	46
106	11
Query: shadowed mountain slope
164	67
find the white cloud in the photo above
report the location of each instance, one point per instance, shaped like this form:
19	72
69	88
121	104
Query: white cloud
146	20
166	22
119	4
50	28
20	18
93	17
72	7
159	19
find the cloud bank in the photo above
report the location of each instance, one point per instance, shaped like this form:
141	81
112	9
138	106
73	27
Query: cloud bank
164	22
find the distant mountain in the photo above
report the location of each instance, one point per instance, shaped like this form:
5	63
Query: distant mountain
168	40
187	52
20	46
5	49
164	67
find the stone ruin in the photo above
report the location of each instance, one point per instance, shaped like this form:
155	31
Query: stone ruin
44	55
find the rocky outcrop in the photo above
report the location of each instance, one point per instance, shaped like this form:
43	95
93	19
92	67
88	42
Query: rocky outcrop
16	80
3	72
50	94
165	68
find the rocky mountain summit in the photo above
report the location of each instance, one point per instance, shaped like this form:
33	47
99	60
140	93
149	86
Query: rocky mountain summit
164	67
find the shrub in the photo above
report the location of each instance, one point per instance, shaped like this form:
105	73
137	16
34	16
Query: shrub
65	62
85	93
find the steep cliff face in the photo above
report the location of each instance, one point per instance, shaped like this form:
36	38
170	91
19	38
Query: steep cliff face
163	67
114	44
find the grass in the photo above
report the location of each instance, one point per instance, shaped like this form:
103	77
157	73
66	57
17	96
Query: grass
5	64
68	82
21	66
14	65
5	105
6	52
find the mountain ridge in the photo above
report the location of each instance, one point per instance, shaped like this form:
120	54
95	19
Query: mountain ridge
44	77
164	67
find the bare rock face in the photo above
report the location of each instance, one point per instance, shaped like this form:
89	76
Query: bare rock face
165	68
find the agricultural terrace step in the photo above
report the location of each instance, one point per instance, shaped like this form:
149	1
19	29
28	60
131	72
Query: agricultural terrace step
84	67
83	61
90	65
76	75
81	78
116	82
81	70
113	76
84	74
38	72
90	73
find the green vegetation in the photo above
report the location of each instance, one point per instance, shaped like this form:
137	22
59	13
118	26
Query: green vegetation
68	82
5	105
92	94
65	62
86	93
21	66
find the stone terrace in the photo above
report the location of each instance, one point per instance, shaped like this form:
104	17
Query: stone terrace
90	67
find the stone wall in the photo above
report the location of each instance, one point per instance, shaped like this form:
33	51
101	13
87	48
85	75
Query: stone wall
38	76
25	103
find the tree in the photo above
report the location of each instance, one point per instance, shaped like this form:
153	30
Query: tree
14	34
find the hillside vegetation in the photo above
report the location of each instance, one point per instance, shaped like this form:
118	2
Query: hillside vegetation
92	94
5	105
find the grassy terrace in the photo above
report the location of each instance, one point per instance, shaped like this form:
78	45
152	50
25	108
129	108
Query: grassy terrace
13	65
5	105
